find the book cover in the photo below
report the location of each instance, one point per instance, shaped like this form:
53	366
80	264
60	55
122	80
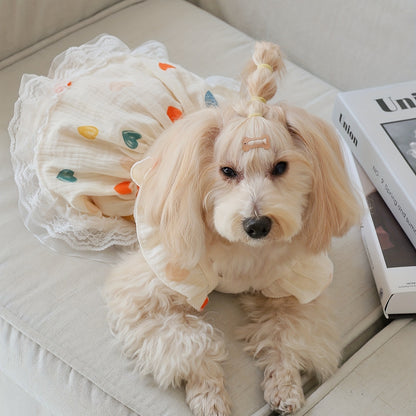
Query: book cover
379	126
391	255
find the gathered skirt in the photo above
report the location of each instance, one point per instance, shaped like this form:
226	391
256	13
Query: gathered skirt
76	133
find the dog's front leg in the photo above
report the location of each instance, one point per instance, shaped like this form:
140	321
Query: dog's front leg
288	338
166	337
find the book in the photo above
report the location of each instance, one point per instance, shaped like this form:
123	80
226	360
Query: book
391	255
392	258
379	126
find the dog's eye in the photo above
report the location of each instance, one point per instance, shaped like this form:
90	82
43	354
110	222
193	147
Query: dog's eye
279	169
229	172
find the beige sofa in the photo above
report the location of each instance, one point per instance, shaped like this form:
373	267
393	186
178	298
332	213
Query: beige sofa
57	356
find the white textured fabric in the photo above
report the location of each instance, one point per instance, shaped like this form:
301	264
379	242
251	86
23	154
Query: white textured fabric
46	213
77	132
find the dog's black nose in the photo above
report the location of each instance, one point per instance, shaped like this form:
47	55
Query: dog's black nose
257	227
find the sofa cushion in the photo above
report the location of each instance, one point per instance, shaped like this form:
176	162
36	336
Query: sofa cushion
351	44
25	26
54	339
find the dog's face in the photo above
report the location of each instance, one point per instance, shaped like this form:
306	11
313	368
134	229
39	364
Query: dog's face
250	172
262	183
254	181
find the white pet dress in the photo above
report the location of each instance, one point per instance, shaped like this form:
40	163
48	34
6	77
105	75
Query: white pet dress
77	132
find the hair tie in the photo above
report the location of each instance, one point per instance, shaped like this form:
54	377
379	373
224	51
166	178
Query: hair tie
255	115
269	67
257	98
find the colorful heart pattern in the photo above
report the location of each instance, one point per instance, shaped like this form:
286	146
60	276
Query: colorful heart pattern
165	67
62	86
89	132
210	100
67	175
131	138
123	188
174	113
205	303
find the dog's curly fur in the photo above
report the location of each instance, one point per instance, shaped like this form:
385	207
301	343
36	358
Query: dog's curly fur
199	208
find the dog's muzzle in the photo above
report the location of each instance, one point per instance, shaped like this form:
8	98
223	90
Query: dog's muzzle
257	227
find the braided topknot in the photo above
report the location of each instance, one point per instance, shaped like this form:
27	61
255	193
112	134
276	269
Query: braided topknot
259	79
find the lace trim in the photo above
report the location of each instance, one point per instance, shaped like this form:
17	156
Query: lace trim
64	228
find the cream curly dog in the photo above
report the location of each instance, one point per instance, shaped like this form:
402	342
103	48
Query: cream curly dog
243	199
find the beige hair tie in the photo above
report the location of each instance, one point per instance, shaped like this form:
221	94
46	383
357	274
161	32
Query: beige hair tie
269	67
262	65
257	98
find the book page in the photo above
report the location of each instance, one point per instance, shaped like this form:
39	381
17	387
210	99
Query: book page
397	249
403	134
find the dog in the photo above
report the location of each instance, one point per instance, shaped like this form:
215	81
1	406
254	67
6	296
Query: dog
241	199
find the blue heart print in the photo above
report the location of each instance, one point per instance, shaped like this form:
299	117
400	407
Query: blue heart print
210	100
131	138
67	175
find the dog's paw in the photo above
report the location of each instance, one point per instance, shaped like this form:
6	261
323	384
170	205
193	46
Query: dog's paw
283	392
208	399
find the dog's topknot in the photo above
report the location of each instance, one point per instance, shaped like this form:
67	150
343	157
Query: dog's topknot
259	79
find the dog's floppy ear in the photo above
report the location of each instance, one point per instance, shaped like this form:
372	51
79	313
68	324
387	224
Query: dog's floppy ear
173	190
333	204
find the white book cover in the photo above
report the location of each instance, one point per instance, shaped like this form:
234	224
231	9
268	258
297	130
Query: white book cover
379	126
391	255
